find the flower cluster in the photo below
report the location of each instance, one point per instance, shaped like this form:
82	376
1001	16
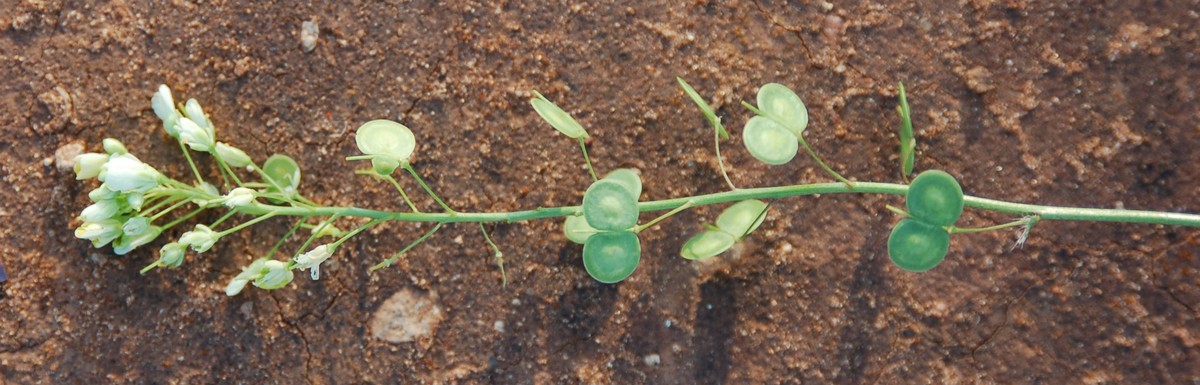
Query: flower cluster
114	216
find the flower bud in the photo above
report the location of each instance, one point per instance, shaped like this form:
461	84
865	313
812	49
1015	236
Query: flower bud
125	173
114	147
171	254
249	273
100	211
88	165
135	200
196	137
201	239
100	233
277	275
238	197
129	242
232	155
135	225
102	193
313	259
164	106
196	114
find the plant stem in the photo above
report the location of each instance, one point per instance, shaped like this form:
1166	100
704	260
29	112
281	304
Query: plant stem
684	206
246	224
394	257
408	167
1043	212
399	188
588	160
821	163
969	230
285	237
188	155
720	161
497	253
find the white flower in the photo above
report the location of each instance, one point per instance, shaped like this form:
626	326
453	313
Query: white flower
100	211
198	138
232	155
102	193
164	107
277	275
196	114
125	173
200	239
129	242
249	273
171	255
88	165
135	225
113	146
313	259
238	197
100	233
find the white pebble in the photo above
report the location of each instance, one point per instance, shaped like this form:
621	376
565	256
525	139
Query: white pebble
308	35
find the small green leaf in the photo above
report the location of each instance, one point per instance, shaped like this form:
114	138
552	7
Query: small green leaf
284	171
917	246
707	244
935	198
608	205
577	229
769	142
742	218
707	110
559	119
612	256
778	102
629	178
908	144
385	138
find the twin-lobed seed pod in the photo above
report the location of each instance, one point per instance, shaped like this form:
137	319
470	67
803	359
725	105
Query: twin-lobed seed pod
732	225
386	143
773	136
611	249
921	241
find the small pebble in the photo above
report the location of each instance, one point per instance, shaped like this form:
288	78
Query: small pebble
652	359
308	35
64	156
499	326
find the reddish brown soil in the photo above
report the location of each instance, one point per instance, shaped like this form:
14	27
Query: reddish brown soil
1073	103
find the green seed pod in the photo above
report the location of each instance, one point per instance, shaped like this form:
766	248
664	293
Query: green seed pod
608	206
629	177
707	244
742	218
935	198
559	119
611	257
779	103
284	171
577	229
917	246
769	142
386	138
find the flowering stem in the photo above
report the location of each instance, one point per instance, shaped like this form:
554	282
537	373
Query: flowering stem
720	161
285	237
394	257
587	159
223	218
225	168
187	154
356	231
408	167
821	163
183	218
168	209
315	233
246	224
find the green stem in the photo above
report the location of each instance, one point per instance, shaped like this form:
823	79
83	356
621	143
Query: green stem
183	218
285	238
223	218
187	154
497	253
356	231
1043	212
587	159
684	206
720	160
408	167
168	210
246	224
821	163
970	230
316	233
399	188
394	257
225	168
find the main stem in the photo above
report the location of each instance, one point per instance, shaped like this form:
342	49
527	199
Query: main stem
1043	212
